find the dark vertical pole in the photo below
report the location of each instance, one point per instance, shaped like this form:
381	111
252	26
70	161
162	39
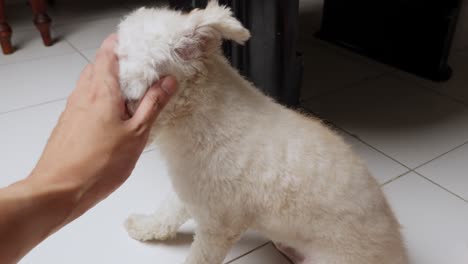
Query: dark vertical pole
237	54
264	48
269	58
291	60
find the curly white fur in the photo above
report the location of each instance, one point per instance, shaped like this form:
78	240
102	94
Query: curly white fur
238	160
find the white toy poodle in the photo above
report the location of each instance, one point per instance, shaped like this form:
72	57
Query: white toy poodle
238	160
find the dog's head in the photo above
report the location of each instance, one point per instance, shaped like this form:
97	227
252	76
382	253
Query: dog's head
154	42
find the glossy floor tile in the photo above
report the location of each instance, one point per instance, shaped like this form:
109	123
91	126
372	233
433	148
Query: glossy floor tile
75	12
450	171
455	88
28	46
38	81
23	135
406	122
90	54
88	34
433	221
328	71
264	255
381	167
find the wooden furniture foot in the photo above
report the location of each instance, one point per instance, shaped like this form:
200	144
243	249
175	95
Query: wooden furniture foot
42	20
5	41
5	31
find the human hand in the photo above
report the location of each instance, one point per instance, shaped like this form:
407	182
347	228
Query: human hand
95	145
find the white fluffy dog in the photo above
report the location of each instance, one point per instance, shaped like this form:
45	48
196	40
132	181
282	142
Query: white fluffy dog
238	160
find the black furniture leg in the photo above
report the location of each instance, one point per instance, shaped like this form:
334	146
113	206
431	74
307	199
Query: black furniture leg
270	59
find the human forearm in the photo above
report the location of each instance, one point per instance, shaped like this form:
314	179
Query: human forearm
91	152
31	211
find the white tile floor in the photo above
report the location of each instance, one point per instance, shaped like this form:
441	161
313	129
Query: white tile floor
412	133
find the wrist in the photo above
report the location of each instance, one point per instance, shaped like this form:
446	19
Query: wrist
55	199
30	213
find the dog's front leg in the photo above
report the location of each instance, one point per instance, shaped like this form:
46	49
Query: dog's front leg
211	246
161	225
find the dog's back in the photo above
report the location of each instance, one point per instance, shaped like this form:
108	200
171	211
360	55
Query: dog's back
282	173
238	160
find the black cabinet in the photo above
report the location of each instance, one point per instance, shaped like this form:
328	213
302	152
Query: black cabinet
270	58
413	35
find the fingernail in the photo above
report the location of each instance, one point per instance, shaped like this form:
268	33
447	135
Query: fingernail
168	85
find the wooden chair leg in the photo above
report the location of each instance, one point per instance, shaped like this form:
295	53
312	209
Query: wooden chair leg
5	31
42	20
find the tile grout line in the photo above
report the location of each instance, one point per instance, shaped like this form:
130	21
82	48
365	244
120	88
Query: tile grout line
36	59
396	178
439	156
247	253
376	149
77	50
333	125
427	179
50	101
410	170
56	27
282	254
440	186
32	106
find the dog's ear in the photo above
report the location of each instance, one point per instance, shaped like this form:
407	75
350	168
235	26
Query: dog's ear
206	28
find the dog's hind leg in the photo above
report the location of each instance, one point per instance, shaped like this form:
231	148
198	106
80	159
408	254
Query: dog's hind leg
161	225
211	245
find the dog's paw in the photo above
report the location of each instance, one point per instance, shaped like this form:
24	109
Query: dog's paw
147	227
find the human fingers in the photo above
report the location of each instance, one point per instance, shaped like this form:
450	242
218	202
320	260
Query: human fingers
152	103
106	77
106	60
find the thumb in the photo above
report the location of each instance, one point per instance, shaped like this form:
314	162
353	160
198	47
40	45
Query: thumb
153	102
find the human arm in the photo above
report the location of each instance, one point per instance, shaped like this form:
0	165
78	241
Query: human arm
90	153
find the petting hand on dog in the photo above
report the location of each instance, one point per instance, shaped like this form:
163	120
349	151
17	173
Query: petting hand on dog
91	152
